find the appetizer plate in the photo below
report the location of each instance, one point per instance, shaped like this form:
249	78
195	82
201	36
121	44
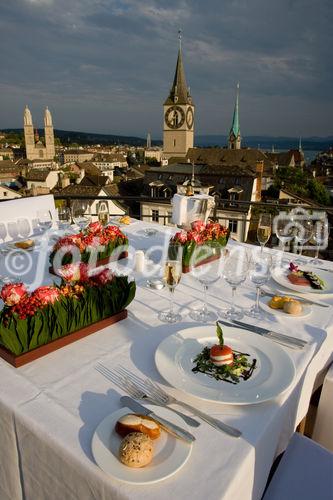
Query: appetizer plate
306	309
273	375
170	453
280	276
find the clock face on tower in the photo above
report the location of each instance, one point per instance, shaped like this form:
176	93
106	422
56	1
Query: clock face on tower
189	117
174	117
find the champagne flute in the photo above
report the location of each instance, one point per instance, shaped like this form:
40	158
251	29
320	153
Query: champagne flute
303	233
235	270
103	213
81	213
172	276
320	237
3	234
206	274
260	265
264	229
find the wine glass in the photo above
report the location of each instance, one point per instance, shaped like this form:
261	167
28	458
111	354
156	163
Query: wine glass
284	231
81	213
172	276
303	231
264	229
64	218
206	274
320	237
24	228
235	270
3	234
13	230
103	213
260	265
44	220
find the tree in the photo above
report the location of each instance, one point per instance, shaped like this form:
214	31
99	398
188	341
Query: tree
318	192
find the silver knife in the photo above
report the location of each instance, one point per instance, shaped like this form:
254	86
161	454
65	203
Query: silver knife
266	331
168	426
306	300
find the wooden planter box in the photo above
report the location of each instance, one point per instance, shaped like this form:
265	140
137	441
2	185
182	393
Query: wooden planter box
101	262
187	269
38	352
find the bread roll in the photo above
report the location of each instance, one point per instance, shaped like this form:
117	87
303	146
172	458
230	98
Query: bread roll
138	423
293	307
24	244
136	450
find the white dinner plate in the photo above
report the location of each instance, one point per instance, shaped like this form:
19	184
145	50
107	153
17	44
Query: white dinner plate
170	453
280	276
306	309
273	375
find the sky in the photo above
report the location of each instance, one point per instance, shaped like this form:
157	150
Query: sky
107	65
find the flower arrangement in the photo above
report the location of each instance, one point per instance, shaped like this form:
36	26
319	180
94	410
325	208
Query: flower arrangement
201	244
32	319
95	241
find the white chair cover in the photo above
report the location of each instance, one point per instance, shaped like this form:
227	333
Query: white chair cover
304	473
323	429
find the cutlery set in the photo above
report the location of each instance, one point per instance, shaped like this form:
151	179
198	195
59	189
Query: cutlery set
150	392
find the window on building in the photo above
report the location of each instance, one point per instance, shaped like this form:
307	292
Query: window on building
5	193
233	226
174	143
155	215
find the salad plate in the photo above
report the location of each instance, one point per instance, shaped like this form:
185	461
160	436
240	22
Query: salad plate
306	309
170	454
280	275
273	374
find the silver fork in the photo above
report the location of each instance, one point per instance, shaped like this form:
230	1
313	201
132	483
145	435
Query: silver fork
155	391
133	390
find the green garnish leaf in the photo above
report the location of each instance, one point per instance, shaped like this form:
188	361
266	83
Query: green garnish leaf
219	334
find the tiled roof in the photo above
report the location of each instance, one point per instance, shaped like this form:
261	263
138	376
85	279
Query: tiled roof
38	174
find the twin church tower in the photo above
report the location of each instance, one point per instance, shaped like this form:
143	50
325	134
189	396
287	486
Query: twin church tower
178	127
35	149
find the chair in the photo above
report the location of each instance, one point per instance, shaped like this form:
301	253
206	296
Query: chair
323	432
304	473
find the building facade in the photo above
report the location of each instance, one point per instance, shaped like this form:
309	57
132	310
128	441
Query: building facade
35	149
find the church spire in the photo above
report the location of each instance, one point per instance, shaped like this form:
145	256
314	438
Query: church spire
300	144
234	134
179	92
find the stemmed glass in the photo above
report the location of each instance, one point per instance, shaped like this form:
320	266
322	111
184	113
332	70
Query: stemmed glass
303	231
235	270
206	274
44	220
264	229
172	276
103	213
64	218
320	237
24	228
13	230
260	265
3	234
81	213
284	231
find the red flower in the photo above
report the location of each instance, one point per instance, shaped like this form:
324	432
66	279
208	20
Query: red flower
46	294
11	293
95	227
198	226
193	236
103	277
181	237
74	272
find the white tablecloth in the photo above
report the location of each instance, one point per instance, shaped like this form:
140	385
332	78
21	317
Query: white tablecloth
50	408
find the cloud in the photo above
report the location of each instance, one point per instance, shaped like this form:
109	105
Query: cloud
107	65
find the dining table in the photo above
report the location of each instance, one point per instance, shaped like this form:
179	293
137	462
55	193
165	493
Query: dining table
51	407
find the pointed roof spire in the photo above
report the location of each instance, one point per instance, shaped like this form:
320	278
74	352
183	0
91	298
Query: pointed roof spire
235	129
179	92
300	144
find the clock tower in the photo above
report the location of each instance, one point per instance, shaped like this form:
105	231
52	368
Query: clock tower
178	128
